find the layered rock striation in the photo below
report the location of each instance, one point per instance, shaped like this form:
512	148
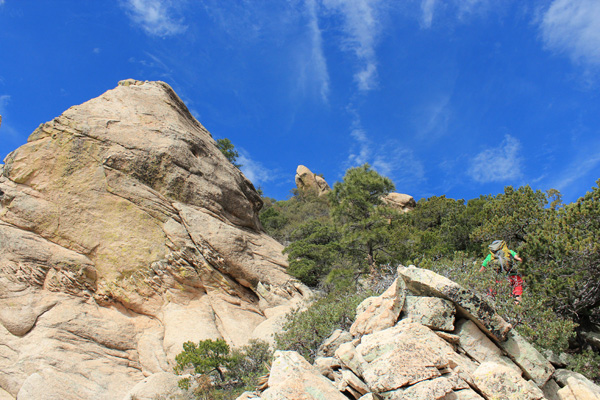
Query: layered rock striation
124	232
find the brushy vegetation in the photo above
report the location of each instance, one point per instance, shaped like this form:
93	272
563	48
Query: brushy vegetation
305	330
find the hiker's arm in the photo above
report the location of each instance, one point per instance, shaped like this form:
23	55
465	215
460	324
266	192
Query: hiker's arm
516	256
485	262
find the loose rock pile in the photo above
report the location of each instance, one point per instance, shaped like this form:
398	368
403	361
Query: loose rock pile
426	337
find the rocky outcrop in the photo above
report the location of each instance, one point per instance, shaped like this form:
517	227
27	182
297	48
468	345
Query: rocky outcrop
125	232
307	181
399	201
438	348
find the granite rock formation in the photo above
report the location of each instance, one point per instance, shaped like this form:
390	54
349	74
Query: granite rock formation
308	181
124	232
399	201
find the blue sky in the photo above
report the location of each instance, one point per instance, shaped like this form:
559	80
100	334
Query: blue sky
454	97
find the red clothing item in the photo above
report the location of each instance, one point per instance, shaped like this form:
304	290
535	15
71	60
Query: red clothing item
516	282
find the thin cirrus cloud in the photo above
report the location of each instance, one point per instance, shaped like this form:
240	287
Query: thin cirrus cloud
317	61
390	159
255	171
587	161
361	28
155	17
572	27
498	164
461	8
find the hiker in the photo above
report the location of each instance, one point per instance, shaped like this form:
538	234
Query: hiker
504	261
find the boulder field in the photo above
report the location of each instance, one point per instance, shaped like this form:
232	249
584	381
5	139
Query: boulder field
425	338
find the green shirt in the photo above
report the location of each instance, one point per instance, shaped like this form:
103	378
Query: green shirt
489	258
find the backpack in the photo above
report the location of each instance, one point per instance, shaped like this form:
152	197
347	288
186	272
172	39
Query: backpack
501	256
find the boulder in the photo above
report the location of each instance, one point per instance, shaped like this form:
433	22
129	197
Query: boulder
465	394
160	385
307	181
350	358
531	361
326	366
498	381
550	390
333	342
348	381
371	396
125	232
479	347
469	305
381	312
292	377
433	312
401	202
434	389
4	395
575	384
577	389
409	349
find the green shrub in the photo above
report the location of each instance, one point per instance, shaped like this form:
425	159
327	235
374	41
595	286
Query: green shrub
219	372
305	330
587	363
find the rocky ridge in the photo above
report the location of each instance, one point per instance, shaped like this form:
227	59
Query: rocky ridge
124	232
425	338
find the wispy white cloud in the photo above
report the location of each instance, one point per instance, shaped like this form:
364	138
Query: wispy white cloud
434	118
498	164
4	100
255	171
361	27
468	7
316	64
586	161
459	9
572	27
361	151
427	10
389	158
155	17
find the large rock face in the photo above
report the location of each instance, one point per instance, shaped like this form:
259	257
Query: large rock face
123	233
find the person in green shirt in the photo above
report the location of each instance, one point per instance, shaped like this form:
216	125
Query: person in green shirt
504	260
